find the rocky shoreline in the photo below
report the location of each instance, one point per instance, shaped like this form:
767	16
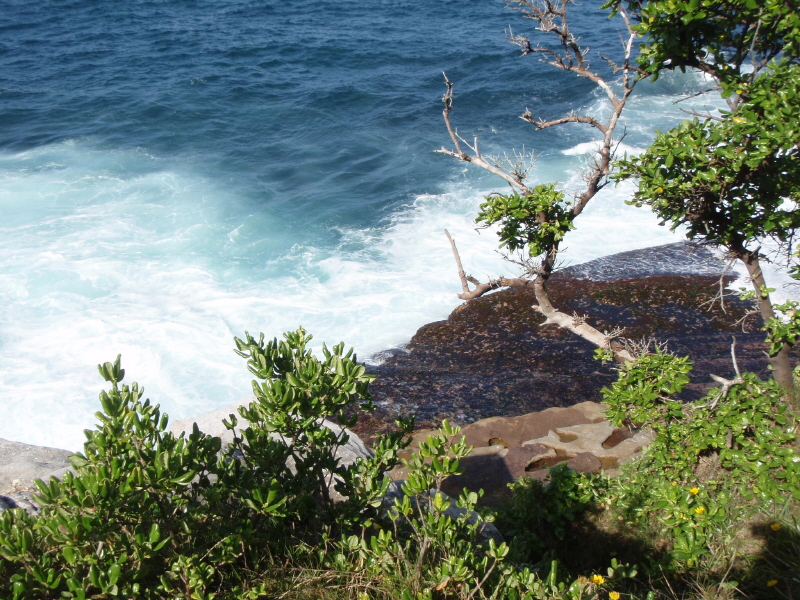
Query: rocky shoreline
493	363
494	357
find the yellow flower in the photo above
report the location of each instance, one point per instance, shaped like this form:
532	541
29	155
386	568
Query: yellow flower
700	510
694	491
613	595
674	483
772	582
598	579
775	527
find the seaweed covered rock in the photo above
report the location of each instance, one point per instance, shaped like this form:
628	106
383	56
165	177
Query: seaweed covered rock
494	357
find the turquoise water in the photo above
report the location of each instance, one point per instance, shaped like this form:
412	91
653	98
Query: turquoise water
173	173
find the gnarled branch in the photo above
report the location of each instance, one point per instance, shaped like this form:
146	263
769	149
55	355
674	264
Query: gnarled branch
551	16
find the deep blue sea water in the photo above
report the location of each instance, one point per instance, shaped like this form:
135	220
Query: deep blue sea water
175	172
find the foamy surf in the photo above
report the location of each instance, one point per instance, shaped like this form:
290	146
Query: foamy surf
106	252
127	267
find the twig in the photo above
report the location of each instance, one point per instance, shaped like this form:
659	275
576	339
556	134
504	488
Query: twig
461	274
542	124
733	358
694	95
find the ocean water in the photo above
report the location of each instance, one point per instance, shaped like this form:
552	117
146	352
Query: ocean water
173	173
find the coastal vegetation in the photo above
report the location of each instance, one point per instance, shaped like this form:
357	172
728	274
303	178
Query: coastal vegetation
710	509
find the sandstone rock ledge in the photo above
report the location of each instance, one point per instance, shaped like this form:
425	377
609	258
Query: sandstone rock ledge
507	448
21	465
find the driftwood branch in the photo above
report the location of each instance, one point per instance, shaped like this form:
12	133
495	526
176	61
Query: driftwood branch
461	274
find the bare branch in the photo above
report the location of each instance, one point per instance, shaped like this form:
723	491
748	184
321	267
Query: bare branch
720	295
733	358
461	274
542	124
447	99
614	66
513	179
727	384
639	348
494	284
700	93
700	115
584	330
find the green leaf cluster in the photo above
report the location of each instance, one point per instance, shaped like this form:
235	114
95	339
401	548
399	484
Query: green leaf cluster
536	221
733	180
784	328
717	36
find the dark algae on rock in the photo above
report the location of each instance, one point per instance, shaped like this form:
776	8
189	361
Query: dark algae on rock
493	356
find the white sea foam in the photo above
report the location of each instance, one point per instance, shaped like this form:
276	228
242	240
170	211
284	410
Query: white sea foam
590	148
95	263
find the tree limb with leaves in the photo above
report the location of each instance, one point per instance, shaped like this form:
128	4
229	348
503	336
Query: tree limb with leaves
536	219
732	180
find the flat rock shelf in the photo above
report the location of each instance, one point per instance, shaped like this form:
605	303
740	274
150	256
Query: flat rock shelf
494	357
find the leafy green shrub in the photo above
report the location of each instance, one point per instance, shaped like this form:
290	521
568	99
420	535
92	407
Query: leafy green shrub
151	515
148	514
709	457
294	394
139	518
540	514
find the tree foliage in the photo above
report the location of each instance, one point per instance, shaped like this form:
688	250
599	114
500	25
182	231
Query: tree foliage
732	179
535	222
732	40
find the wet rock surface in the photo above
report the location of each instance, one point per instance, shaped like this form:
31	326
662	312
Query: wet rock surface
492	356
684	258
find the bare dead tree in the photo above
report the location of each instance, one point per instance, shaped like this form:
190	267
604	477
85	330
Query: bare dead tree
551	17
